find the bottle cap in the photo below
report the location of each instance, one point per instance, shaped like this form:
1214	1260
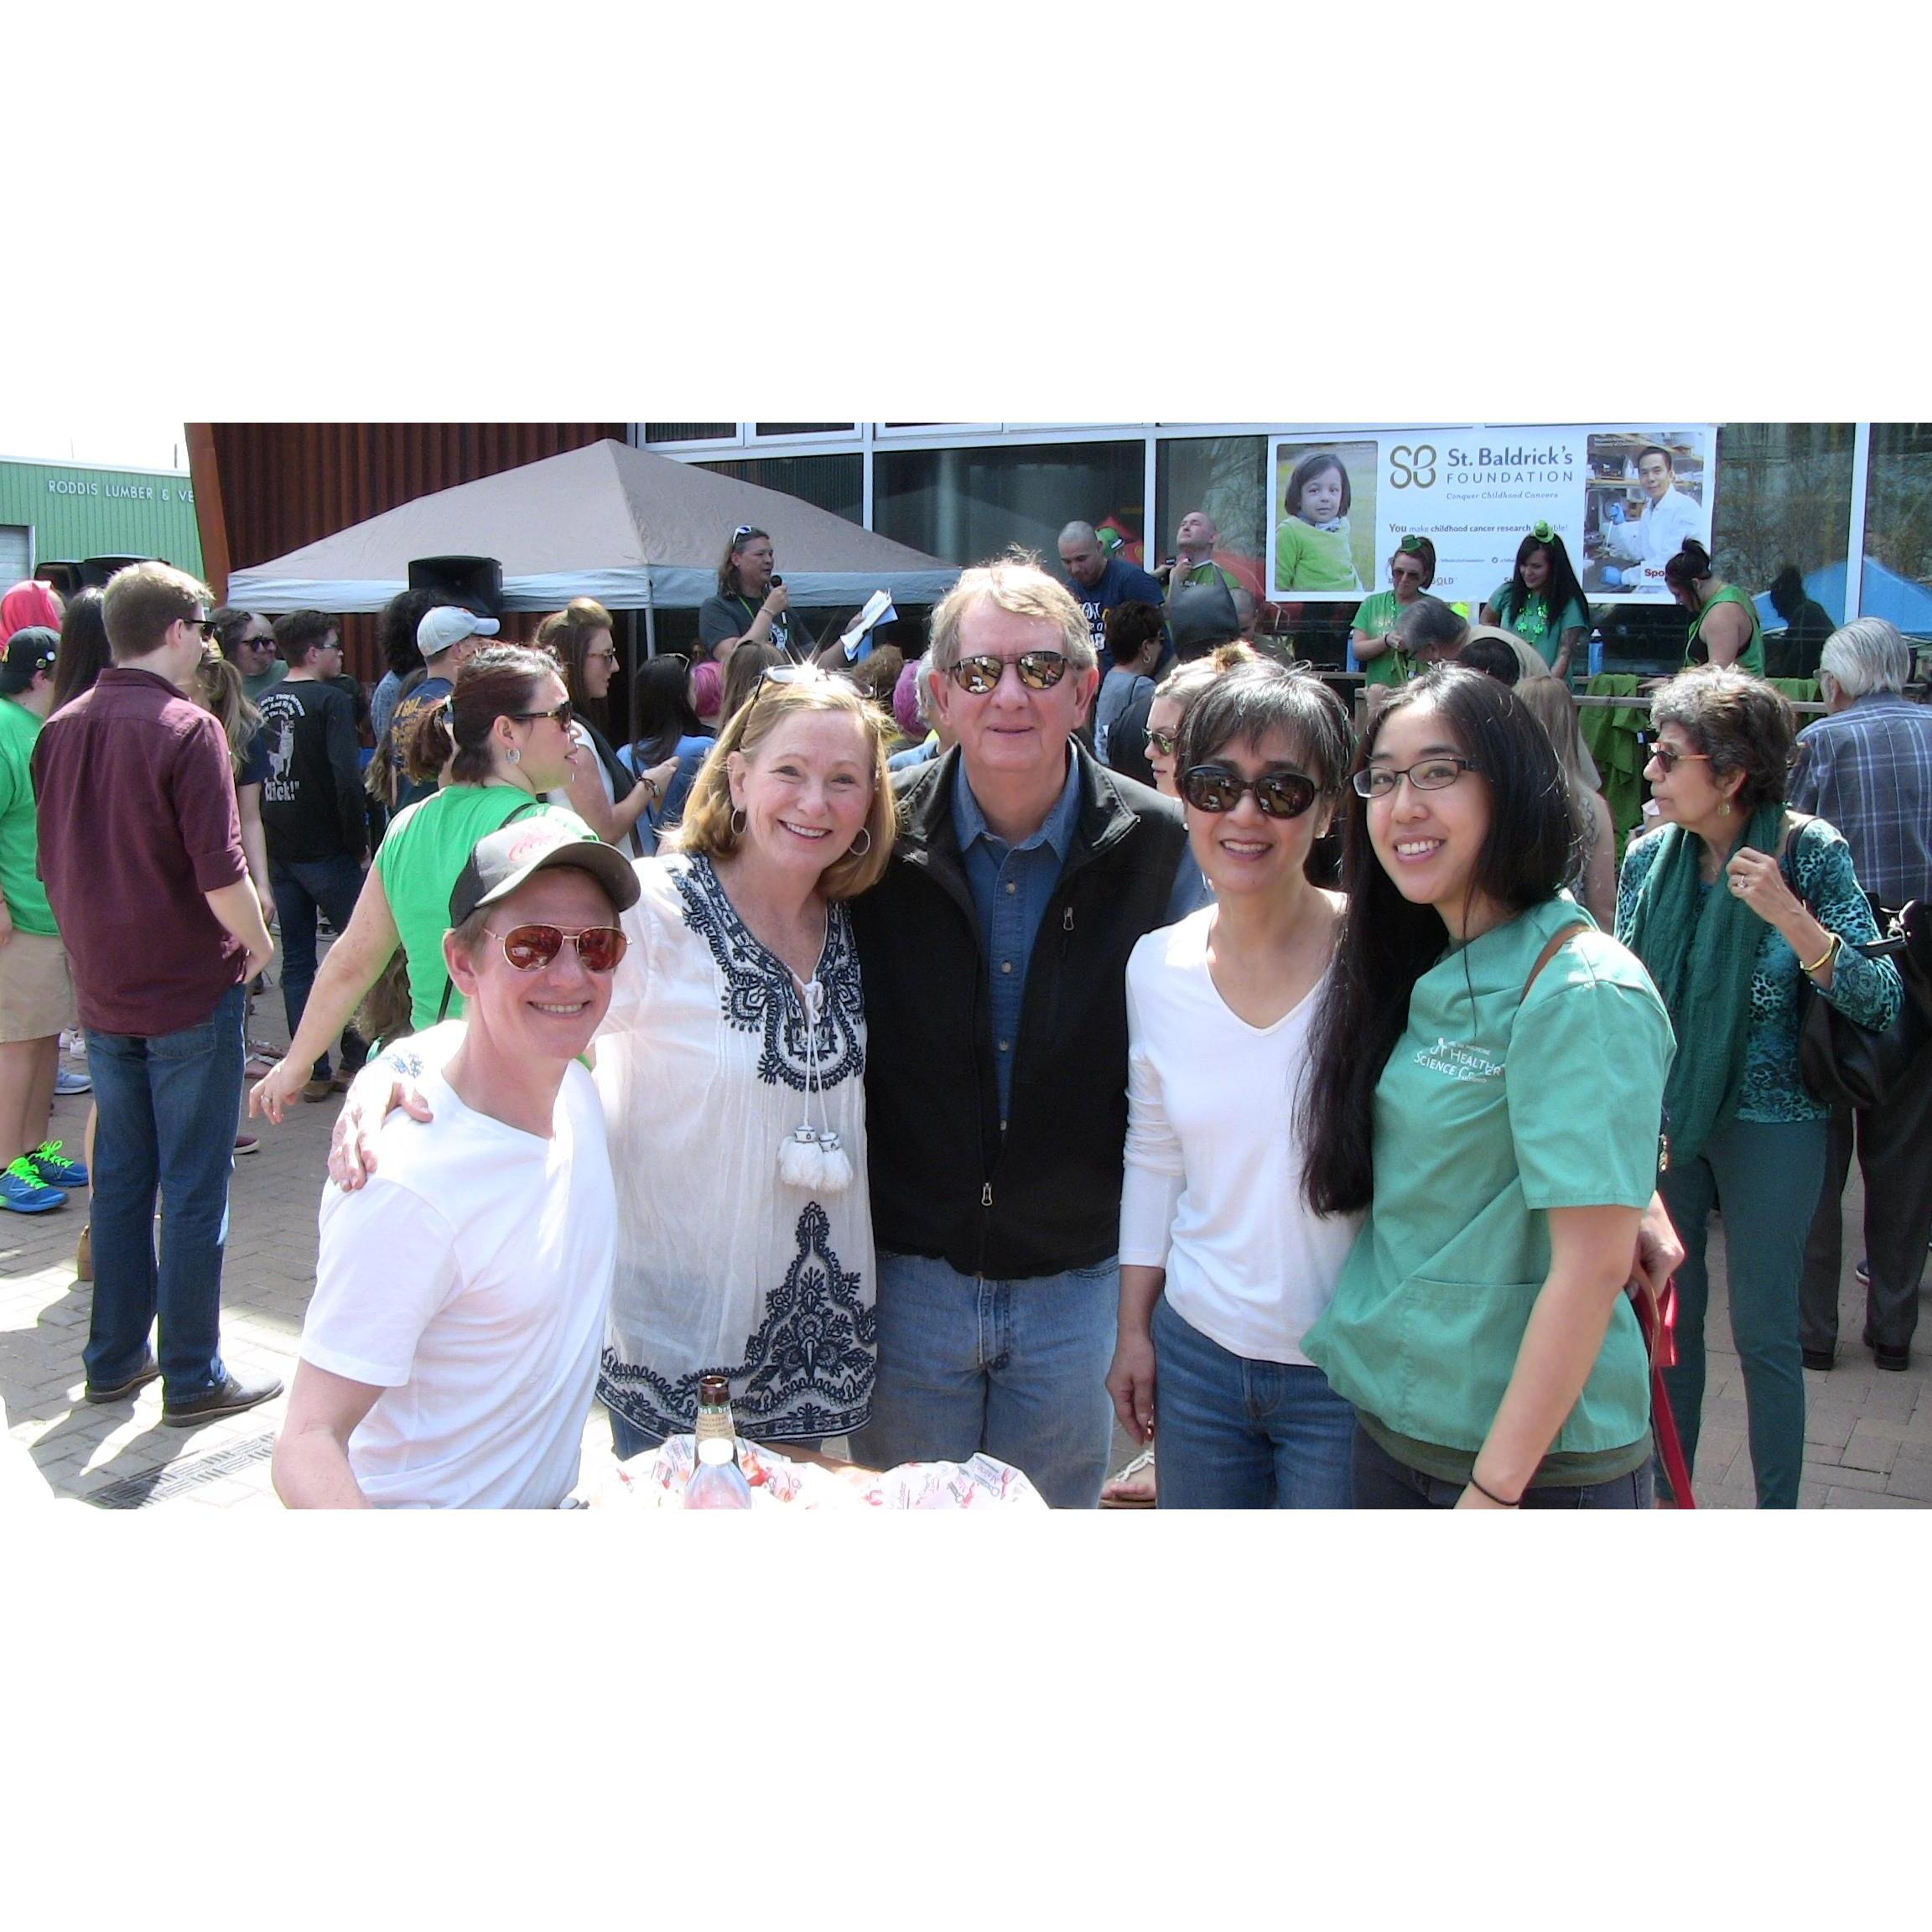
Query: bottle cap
715	1449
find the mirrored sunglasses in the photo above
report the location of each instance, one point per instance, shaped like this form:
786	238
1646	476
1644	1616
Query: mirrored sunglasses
531	948
1279	794
1038	671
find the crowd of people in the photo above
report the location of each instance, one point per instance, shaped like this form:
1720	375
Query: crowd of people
1088	1021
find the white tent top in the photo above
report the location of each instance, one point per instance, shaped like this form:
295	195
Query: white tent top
632	529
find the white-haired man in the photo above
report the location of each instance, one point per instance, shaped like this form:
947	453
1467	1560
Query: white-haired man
1866	768
994	956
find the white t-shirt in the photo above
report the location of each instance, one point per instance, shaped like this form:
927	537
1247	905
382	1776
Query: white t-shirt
1212	1188
470	1282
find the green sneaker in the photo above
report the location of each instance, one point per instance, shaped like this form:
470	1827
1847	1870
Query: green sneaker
25	1192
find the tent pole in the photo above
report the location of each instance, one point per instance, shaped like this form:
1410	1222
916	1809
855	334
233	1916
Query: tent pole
650	620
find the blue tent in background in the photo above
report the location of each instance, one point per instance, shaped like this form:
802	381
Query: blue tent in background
1884	593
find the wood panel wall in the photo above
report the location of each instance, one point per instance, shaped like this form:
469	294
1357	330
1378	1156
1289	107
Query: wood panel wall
263	489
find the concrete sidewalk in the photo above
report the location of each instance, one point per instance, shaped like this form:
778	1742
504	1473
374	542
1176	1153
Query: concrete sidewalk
1869	1434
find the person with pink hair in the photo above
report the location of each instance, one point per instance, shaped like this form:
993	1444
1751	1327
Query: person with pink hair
707	692
27	603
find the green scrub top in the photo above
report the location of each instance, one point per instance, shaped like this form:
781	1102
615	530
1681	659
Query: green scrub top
1491	1110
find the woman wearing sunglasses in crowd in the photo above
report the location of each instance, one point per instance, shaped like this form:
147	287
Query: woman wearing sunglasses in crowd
1223	1266
1371	638
731	1066
1488	1084
605	793
505	732
1708	904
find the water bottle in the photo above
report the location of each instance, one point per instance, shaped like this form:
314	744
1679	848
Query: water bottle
1595	653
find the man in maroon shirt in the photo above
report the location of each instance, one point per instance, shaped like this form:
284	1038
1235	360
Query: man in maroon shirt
141	851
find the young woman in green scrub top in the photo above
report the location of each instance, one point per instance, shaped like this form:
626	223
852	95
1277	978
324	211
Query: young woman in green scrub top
1542	603
1503	1141
1724	624
1411	571
505	737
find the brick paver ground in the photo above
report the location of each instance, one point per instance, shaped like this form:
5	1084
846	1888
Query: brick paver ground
1869	1435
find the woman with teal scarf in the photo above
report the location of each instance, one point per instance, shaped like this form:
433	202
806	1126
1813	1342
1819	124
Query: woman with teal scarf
1707	904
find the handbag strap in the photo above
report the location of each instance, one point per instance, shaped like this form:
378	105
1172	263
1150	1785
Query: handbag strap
1556	945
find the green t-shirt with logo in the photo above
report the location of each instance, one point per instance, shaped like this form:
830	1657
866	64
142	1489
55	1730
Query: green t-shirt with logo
20	883
1491	1110
1376	619
420	860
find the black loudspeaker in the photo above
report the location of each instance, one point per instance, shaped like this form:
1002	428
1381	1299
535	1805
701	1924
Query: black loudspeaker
66	577
475	581
96	570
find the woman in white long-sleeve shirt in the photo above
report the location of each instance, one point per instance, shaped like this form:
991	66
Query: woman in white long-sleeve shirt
1223	1267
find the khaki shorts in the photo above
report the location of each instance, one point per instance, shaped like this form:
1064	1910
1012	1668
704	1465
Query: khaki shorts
36	992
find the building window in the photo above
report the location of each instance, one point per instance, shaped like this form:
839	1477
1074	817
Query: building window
804	428
1784	498
833	483
690	431
967	505
1897	564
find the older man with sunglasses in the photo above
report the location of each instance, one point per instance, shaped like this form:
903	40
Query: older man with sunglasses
994	956
450	1354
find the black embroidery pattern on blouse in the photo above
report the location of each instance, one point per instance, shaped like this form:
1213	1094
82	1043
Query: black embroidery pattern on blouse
760	995
807	1367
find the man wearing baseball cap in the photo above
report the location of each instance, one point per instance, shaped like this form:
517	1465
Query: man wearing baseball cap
446	635
36	993
450	1354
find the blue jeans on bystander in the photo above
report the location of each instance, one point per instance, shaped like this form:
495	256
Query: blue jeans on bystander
1016	1368
168	1106
1381	1483
1237	1434
331	885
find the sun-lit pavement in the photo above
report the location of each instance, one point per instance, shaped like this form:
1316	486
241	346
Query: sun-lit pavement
1869	1434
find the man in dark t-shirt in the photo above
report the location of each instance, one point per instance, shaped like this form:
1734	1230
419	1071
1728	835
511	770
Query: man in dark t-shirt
312	811
1099	582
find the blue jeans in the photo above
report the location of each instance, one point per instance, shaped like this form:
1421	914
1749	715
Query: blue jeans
1237	1434
333	885
167	1125
1016	1368
1381	1483
1768	1176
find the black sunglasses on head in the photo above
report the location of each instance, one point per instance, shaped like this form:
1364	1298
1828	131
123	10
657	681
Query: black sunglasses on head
1279	794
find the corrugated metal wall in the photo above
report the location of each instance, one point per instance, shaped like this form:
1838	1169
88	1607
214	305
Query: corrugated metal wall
263	489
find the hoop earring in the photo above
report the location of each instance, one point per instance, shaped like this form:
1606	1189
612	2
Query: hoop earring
858	851
737	822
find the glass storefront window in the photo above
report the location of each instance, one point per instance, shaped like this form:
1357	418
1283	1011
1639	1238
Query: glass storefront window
690	431
967	505
804	428
1898	565
833	483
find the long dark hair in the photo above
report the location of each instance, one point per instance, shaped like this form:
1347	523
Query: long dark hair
498	681
83	652
1388	942
663	698
1561	589
395	629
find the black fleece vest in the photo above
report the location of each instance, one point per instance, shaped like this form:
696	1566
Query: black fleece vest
1040	1193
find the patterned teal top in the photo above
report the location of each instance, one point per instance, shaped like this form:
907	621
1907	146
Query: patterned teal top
1867	990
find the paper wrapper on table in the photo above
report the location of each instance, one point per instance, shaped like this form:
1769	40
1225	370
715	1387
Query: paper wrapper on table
656	1480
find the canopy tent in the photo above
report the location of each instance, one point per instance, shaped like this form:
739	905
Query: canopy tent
636	530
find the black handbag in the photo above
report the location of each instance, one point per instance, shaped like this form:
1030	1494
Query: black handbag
1843	1064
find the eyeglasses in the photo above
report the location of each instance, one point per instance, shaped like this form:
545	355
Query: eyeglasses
531	948
1038	670
561	715
1279	794
1430	774
600	656
1162	744
1669	757
205	626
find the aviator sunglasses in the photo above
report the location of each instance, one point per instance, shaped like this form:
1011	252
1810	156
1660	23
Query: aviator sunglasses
1038	670
531	948
1279	794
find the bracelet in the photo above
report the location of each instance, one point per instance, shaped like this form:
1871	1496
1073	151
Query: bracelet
1476	1483
1824	958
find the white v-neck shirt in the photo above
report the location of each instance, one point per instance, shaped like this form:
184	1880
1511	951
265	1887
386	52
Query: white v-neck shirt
1212	1188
